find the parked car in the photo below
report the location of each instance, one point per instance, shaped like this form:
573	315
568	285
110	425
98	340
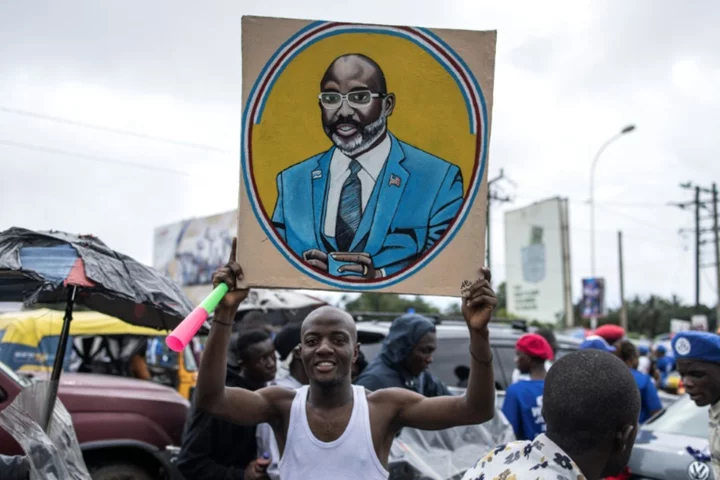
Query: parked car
98	344
451	360
660	450
123	425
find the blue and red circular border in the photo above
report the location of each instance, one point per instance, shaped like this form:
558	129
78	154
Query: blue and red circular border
443	54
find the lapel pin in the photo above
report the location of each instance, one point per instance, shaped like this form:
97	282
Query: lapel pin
394	180
316	174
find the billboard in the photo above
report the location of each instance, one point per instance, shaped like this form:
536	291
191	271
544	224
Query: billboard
364	153
189	251
537	260
593	297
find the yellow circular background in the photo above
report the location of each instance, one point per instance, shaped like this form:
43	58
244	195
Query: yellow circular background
430	111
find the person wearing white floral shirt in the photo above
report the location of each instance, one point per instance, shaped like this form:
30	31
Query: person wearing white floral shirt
698	362
591	407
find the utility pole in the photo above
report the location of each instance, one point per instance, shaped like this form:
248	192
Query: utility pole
697	203
717	252
567	277
623	305
697	246
493	196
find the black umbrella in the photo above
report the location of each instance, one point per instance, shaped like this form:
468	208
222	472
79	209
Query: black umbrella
53	267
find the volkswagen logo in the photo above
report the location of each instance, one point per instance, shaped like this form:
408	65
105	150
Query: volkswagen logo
698	471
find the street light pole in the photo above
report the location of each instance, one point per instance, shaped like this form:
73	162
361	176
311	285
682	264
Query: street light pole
625	130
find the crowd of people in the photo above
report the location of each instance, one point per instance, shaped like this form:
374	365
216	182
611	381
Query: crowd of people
574	417
658	363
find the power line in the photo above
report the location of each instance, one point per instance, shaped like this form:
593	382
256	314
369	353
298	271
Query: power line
696	205
57	151
635	219
67	121
613	204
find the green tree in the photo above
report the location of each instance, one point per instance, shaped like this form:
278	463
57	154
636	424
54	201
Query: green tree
453	310
501	294
390	303
651	316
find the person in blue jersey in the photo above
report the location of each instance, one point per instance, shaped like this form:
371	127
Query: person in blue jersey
649	399
523	400
698	362
595	342
664	363
644	362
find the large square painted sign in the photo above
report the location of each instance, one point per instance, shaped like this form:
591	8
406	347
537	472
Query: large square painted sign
364	155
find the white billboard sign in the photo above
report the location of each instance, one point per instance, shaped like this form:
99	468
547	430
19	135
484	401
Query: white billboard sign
537	259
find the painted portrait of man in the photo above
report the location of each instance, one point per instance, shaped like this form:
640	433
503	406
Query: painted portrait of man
372	204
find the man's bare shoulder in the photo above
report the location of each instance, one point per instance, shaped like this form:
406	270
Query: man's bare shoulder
276	393
394	396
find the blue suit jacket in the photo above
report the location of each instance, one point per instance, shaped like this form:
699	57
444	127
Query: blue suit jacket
399	223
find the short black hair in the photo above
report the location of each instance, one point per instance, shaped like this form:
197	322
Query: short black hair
379	74
287	339
627	350
253	319
548	335
589	395
249	338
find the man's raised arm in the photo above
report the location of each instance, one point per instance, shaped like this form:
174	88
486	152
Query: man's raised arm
478	403
237	404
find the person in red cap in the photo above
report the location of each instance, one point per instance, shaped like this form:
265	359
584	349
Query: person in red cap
612	333
523	400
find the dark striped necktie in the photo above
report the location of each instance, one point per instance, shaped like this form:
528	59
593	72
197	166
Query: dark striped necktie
349	209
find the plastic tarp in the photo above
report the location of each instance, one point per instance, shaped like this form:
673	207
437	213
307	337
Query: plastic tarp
445	454
54	455
35	267
264	299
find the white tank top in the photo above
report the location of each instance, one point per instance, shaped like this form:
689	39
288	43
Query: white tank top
352	456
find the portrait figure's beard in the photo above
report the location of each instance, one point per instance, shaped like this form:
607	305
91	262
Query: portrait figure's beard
362	140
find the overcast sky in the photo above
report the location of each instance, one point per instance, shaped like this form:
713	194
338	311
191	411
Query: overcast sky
169	72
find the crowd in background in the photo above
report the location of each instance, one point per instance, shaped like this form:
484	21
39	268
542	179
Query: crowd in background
217	449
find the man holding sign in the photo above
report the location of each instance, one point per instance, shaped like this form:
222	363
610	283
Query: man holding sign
331	429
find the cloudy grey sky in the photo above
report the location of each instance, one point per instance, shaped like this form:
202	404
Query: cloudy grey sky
569	75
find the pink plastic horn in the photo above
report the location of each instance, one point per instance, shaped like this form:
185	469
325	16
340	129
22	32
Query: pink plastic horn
183	333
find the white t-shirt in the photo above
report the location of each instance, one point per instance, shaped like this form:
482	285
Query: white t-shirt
349	457
265	436
517	376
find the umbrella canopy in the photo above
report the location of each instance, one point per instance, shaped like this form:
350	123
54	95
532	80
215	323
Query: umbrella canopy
264	299
52	267
42	266
279	306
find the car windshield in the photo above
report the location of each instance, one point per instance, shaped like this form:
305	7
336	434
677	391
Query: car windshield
189	359
453	352
22	381
683	418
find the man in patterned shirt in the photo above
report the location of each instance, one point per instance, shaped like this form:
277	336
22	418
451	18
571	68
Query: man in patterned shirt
698	362
591	407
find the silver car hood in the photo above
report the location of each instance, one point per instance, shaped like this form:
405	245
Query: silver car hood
659	455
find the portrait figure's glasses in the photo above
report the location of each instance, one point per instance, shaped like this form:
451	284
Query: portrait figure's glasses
358	98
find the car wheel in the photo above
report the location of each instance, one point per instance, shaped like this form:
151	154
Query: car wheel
119	472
